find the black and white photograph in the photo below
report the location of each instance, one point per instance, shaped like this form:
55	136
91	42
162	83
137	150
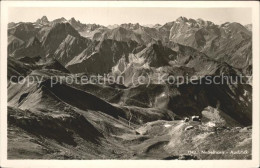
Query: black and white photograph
130	82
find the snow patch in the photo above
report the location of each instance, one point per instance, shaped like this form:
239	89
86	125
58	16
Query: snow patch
211	124
167	125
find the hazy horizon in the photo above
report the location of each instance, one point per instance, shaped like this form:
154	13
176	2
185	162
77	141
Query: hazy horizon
143	16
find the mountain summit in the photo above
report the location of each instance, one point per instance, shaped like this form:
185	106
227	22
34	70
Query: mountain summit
43	21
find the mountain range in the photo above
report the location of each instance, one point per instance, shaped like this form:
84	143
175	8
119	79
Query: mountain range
126	119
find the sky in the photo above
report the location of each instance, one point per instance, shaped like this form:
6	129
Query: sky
144	16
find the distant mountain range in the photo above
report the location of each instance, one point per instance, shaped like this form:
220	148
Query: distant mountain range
228	42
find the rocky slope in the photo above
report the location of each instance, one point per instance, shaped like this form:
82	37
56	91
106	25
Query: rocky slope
99	58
